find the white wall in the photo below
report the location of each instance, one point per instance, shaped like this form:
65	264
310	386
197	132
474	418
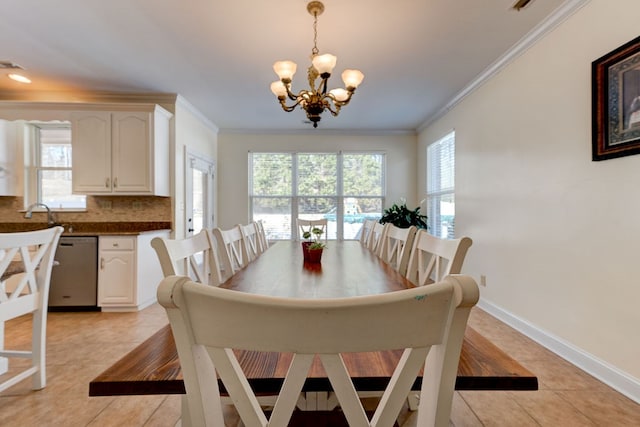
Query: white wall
233	164
556	234
192	130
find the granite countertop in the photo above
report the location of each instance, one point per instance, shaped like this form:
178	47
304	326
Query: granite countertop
90	228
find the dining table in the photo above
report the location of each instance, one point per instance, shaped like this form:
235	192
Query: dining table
347	268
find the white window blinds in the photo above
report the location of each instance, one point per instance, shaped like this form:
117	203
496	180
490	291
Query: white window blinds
441	186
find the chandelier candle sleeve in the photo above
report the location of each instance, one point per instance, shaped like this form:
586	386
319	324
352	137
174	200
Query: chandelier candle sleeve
316	99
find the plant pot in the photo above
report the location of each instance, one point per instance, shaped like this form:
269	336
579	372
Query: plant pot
311	255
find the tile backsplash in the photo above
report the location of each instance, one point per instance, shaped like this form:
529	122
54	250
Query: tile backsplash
99	209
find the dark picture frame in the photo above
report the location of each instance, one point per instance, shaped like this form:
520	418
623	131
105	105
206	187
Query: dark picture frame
615	80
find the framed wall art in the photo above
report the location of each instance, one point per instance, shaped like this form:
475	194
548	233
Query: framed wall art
616	102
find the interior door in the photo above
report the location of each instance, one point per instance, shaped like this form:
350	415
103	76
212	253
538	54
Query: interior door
199	193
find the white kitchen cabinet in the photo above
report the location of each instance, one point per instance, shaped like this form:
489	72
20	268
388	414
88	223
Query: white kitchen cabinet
9	166
116	271
128	272
121	152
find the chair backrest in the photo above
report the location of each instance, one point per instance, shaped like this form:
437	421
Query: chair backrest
309	224
193	256
428	322
252	241
231	250
29	254
433	258
262	236
376	237
365	231
396	247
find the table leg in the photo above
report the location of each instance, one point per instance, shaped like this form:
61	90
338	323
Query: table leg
317	401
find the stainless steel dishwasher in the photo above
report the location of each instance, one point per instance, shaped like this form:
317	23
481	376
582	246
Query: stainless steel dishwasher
74	280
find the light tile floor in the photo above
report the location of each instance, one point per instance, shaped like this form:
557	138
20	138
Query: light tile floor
81	345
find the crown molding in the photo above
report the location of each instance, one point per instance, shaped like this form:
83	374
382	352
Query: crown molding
343	132
557	17
183	103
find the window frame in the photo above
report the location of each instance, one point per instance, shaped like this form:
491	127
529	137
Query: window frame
438	191
35	177
295	196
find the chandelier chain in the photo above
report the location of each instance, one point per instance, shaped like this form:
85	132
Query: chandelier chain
315	51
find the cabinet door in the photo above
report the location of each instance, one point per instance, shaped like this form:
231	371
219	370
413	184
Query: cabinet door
91	152
9	165
131	144
116	278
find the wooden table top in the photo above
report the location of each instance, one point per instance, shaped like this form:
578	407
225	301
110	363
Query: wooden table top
346	269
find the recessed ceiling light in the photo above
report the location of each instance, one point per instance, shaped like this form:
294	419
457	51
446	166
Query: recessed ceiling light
19	78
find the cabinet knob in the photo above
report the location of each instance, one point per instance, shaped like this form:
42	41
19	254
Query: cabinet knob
101	263
106	183
115	182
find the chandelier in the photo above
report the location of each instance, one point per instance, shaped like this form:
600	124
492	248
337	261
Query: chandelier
316	99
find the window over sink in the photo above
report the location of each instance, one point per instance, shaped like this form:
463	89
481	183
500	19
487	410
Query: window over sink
50	176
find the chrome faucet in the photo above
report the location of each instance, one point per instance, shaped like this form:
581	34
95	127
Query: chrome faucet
50	219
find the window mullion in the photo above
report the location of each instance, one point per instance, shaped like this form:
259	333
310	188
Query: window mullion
295	201
340	197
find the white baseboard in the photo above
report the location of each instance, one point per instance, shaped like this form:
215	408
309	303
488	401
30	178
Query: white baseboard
608	374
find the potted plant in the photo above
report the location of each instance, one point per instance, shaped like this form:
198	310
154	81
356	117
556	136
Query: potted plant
312	247
401	216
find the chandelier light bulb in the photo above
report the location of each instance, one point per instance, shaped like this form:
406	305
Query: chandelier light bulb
339	94
352	78
324	63
279	89
285	69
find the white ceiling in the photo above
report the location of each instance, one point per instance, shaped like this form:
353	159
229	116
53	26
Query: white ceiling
417	55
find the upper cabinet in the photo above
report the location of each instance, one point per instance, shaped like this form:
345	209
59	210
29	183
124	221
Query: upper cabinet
8	161
121	152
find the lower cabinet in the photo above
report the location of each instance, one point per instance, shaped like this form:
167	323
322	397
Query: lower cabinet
128	272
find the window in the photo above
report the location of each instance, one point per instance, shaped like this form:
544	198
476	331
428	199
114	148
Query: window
344	188
53	167
441	186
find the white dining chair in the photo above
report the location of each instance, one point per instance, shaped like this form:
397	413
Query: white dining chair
262	236
31	256
376	237
433	258
396	247
231	249
365	231
309	224
427	322
252	241
193	256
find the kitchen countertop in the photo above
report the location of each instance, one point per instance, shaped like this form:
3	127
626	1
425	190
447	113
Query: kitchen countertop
91	228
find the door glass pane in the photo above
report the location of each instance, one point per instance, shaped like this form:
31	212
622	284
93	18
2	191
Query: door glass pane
199	185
